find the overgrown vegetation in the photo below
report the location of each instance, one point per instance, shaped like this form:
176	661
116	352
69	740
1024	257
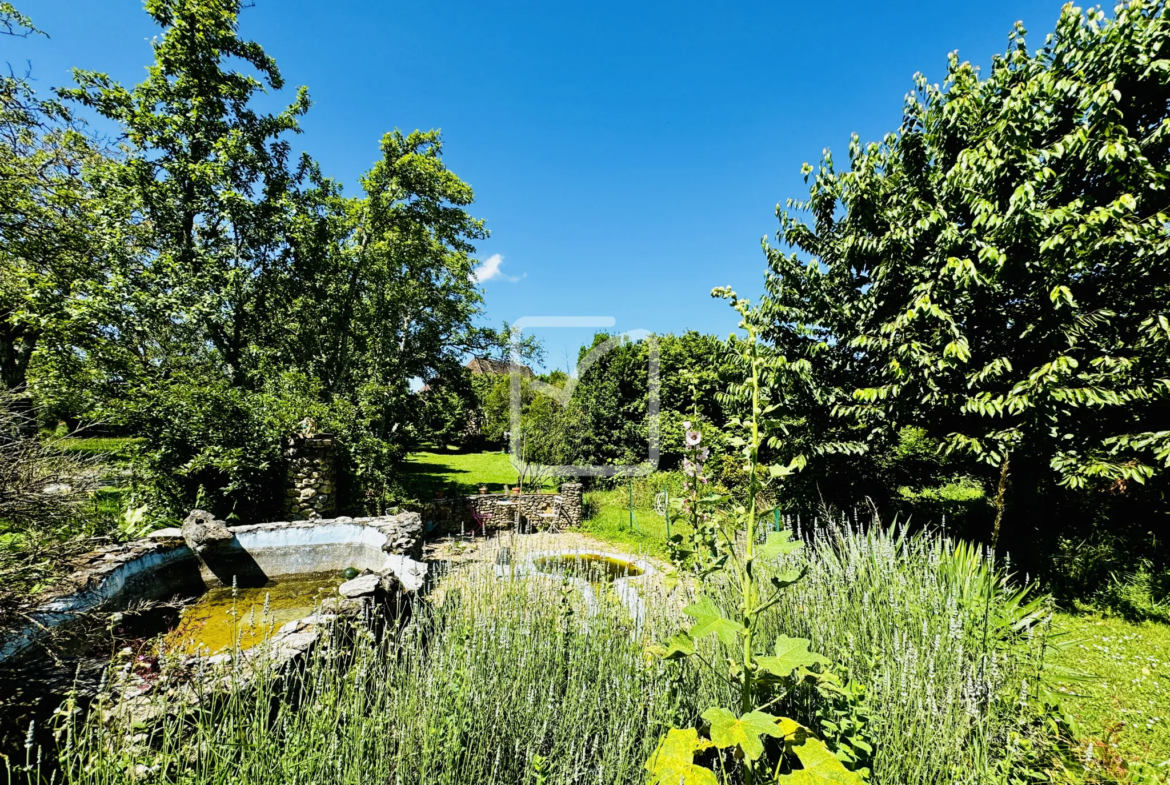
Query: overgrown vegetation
505	682
200	287
966	327
45	498
511	681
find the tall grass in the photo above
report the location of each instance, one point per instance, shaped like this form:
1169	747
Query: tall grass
501	680
506	681
946	646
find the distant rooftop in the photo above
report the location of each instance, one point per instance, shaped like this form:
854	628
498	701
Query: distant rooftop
486	365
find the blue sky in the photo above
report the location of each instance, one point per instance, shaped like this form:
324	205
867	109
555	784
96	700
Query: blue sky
628	156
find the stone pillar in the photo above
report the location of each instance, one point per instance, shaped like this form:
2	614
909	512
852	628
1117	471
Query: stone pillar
572	506
312	486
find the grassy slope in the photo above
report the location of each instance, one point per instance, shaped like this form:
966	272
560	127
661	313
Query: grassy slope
1129	666
610	521
430	471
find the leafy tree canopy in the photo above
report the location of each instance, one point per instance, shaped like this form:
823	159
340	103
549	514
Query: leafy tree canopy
996	272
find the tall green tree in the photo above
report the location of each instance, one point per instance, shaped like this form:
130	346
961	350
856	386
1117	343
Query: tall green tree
247	293
47	247
384	285
211	178
996	271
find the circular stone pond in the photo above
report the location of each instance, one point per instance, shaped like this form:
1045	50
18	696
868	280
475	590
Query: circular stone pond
591	571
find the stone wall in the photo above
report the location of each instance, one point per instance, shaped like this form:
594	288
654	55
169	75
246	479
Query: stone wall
312	484
537	511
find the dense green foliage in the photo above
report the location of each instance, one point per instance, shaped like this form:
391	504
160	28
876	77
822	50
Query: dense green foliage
995	274
47	242
605	421
201	288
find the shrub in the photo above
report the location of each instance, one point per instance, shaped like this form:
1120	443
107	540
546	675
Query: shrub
1142	594
44	491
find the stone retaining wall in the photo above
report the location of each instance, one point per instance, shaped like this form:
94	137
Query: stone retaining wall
451	516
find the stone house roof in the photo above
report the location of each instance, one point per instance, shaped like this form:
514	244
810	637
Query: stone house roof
485	365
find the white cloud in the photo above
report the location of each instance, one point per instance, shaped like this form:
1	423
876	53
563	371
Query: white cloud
490	269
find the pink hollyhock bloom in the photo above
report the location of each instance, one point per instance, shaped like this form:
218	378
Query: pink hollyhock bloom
693	438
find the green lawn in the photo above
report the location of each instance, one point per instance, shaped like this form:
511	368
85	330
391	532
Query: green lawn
457	473
101	445
609	520
1126	702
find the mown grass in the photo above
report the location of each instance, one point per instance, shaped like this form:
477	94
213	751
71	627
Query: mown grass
609	520
1124	704
97	445
457	473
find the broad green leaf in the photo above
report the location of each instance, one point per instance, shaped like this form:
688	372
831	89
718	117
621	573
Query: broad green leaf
778	543
678	647
789	654
819	766
787	578
744	732
709	619
673	762
776	470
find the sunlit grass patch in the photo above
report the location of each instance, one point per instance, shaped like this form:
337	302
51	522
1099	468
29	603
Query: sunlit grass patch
608	518
99	445
1126	701
456	473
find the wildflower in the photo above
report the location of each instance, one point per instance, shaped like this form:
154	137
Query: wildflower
693	438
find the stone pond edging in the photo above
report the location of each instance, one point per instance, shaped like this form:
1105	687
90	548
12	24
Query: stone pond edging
164	563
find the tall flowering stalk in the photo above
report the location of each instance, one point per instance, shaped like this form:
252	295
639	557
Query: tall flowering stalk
696	505
739	734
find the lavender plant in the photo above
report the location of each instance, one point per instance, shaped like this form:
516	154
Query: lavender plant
500	681
740	733
950	648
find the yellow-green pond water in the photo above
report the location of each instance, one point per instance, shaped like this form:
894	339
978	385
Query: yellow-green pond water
222	616
595	568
